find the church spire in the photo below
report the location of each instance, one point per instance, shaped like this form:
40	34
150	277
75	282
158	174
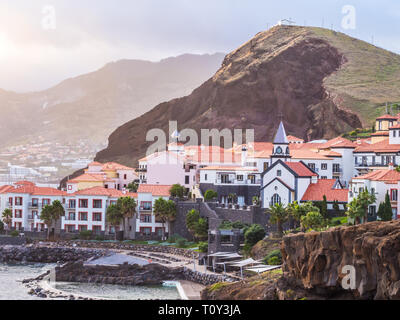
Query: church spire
281	145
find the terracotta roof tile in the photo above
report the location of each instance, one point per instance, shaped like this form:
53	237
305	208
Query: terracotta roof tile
155	190
301	169
100	191
387	117
382	146
317	191
387	175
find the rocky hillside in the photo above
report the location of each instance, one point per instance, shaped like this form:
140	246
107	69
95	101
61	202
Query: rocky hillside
91	106
324	83
314	267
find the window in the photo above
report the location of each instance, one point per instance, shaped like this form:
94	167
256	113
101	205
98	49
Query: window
35	203
240	177
70	228
394	133
18	214
83	216
311	166
18	201
279	173
96	229
205	177
146	206
393	194
145	231
145	218
372	211
71	204
324	178
278	150
69	187
97	216
125	176
276	199
372	190
97	204
82	228
324	166
336	168
70	216
160	231
187	179
266	166
45	202
83	203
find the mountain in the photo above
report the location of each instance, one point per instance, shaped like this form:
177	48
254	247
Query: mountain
322	82
91	106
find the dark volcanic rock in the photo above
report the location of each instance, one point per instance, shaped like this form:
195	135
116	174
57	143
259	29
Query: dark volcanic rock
279	71
315	261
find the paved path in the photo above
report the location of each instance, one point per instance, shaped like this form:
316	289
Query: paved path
192	290
117	259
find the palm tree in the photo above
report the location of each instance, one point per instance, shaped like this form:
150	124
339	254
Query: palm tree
365	199
51	214
133	187
127	207
7	218
165	211
114	217
279	215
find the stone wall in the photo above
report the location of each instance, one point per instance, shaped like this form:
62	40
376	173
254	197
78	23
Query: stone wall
13	241
126	246
38	254
248	192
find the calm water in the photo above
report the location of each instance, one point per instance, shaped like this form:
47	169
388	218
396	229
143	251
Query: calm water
11	276
11	287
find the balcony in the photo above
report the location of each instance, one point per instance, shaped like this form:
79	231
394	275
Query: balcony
70	207
337	171
34	205
148	209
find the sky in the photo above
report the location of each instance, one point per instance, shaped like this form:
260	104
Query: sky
45	42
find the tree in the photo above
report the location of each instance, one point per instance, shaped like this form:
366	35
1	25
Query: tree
133	187
50	214
336	207
253	235
297	211
366	199
324	208
355	211
127	207
114	216
313	221
7	218
165	211
201	231
177	191
385	212
232	198
279	215
210	195
196	225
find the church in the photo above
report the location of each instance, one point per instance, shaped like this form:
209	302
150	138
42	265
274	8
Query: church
286	180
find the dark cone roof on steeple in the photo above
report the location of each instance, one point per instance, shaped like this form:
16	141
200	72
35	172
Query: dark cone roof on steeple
281	137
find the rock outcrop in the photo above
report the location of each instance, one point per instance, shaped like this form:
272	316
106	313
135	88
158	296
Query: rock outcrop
315	261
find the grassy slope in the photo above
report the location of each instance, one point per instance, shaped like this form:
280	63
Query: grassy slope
369	78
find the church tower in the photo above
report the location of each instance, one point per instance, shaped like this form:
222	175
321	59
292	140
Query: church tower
281	146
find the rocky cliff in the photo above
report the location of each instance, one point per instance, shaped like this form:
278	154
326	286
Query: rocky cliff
324	83
314	267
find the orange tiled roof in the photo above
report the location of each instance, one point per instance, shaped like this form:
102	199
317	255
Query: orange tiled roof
24	183
95	163
6	189
115	166
397	126
293	138
89	177
155	190
387	117
385	175
317	191
338	142
307	154
380	134
229	168
38	191
100	191
381	146
301	169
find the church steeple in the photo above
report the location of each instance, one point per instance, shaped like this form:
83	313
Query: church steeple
281	145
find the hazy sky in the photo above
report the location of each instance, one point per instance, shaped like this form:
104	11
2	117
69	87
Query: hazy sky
86	34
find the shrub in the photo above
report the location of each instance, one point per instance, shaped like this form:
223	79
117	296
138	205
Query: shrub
274	261
313	221
254	234
181	243
85	235
274	256
14	233
210	195
177	191
99	238
203	247
174	238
